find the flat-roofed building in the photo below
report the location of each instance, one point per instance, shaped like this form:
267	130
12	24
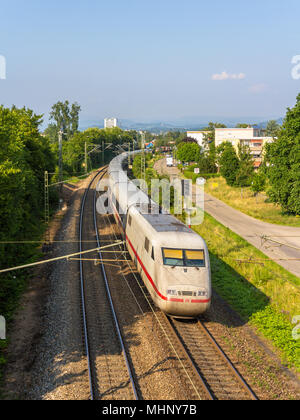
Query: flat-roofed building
250	136
198	136
110	122
227	134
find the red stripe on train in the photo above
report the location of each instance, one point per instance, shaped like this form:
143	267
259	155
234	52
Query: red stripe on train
148	275
146	272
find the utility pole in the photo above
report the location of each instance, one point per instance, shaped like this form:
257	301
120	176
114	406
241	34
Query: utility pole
143	158
129	155
85	157
47	213
60	164
103	156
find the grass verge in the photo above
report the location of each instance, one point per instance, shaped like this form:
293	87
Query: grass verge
244	201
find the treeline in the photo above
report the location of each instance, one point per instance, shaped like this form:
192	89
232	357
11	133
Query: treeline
24	157
101	146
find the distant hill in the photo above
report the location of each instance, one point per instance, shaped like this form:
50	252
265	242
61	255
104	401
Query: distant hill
183	124
264	123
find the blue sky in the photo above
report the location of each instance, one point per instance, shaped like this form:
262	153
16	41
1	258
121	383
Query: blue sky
146	60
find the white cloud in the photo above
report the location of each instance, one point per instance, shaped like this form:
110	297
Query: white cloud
258	88
225	76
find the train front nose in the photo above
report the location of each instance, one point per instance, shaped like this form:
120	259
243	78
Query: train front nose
187	301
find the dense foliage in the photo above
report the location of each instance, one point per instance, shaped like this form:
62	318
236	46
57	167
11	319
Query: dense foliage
236	168
188	152
24	157
228	162
95	141
283	158
65	117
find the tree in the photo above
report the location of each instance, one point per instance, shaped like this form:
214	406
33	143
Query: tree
65	118
188	152
283	159
74	148
74	117
210	151
272	129
24	157
258	181
246	169
228	162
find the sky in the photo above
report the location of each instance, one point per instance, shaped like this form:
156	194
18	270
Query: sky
151	60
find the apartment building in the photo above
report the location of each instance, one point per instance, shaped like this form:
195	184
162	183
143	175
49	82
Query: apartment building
252	137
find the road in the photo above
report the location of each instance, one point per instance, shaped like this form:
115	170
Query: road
275	241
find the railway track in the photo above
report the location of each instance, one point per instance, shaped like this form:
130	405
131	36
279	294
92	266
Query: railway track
109	371
220	378
206	369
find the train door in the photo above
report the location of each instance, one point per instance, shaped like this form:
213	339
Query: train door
149	257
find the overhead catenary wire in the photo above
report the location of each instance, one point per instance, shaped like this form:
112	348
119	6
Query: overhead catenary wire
266	238
64	257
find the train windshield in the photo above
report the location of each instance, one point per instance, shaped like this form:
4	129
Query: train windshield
184	257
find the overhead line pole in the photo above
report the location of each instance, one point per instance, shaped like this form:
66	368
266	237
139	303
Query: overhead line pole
85	157
60	164
47	212
143	159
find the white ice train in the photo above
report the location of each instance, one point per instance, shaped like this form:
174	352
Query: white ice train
172	259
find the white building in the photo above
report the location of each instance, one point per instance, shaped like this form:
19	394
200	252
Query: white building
110	122
198	136
251	137
227	134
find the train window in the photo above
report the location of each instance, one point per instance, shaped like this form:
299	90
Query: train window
129	220
117	206
184	258
194	258
152	254
173	257
147	244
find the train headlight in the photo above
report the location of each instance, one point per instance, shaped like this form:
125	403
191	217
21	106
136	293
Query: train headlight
203	293
172	292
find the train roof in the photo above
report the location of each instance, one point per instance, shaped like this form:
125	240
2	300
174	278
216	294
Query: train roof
136	200
165	223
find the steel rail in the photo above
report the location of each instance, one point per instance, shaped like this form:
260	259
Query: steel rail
85	327
237	375
189	357
112	305
175	336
